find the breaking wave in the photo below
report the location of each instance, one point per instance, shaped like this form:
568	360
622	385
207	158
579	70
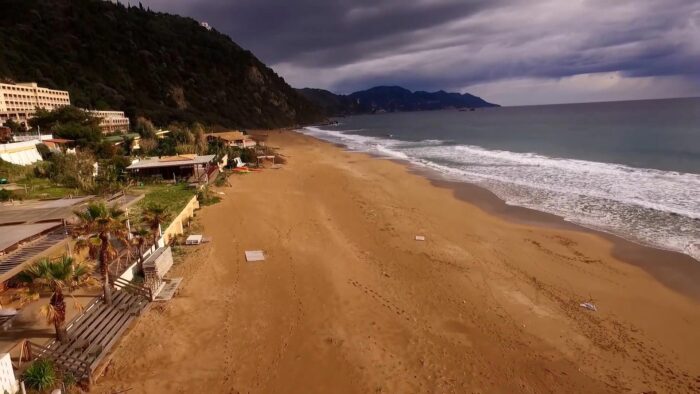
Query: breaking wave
648	206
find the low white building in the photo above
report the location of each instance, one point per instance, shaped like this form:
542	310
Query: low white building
20	153
233	138
111	121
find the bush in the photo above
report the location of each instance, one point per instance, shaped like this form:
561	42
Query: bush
69	380
44	151
42	169
206	197
5	195
73	171
41	375
222	179
248	155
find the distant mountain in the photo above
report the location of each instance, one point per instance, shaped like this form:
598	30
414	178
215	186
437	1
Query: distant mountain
161	66
390	99
329	102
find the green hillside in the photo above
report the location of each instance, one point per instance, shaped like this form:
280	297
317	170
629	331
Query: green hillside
164	67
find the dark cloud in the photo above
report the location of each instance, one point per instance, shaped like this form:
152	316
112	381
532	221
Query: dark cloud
455	44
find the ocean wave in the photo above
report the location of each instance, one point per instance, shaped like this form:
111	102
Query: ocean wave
649	206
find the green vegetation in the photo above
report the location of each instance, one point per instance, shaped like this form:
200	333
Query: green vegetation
163	67
56	277
207	197
98	227
13	172
170	197
29	185
154	215
43	188
41	375
70	123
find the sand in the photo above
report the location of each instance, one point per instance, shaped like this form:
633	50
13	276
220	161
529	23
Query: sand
347	301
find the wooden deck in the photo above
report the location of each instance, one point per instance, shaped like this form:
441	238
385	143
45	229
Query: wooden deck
93	333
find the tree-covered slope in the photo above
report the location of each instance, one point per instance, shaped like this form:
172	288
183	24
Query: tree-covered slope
161	66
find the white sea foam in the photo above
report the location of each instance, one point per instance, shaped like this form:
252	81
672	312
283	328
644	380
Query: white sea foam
653	207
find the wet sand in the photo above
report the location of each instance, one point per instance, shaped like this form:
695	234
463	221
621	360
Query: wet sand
347	301
678	271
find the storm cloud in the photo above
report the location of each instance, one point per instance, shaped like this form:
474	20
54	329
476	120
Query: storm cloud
573	50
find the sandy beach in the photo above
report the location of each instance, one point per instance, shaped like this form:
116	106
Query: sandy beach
348	301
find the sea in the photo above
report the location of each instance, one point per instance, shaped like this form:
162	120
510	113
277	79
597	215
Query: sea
628	168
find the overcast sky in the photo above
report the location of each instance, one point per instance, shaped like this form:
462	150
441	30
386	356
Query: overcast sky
509	52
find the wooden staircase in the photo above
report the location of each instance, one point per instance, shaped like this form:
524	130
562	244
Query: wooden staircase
93	333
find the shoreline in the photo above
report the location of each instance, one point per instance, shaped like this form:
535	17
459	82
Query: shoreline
348	300
675	270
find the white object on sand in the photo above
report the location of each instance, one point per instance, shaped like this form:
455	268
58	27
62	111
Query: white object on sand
420	238
589	305
254	255
194	239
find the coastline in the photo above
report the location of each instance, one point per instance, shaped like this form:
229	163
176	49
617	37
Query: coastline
675	270
348	301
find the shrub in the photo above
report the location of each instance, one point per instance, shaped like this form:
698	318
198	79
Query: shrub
69	380
222	179
44	151
248	155
206	197
41	375
5	195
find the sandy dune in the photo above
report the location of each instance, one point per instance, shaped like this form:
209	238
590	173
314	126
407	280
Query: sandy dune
348	302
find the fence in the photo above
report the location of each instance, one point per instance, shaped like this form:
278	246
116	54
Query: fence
177	225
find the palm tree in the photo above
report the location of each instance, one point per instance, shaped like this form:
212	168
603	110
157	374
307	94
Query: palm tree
98	226
140	237
154	215
56	276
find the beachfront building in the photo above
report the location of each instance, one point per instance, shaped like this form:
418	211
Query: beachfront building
20	153
20	101
111	121
120	139
189	168
233	138
60	145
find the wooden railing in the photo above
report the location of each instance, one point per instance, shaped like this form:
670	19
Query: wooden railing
133	289
79	368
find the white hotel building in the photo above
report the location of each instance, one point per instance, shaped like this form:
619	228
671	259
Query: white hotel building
111	121
19	101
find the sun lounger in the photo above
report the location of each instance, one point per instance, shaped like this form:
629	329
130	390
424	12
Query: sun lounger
254	255
194	239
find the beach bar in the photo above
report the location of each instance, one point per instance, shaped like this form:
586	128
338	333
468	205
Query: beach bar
232	138
192	168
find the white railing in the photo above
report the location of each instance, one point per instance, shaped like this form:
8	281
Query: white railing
8	382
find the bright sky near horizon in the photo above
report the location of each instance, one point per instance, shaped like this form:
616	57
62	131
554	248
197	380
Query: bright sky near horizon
511	52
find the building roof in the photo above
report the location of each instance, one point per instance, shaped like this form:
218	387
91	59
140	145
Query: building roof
10	235
229	136
171	161
120	137
58	140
